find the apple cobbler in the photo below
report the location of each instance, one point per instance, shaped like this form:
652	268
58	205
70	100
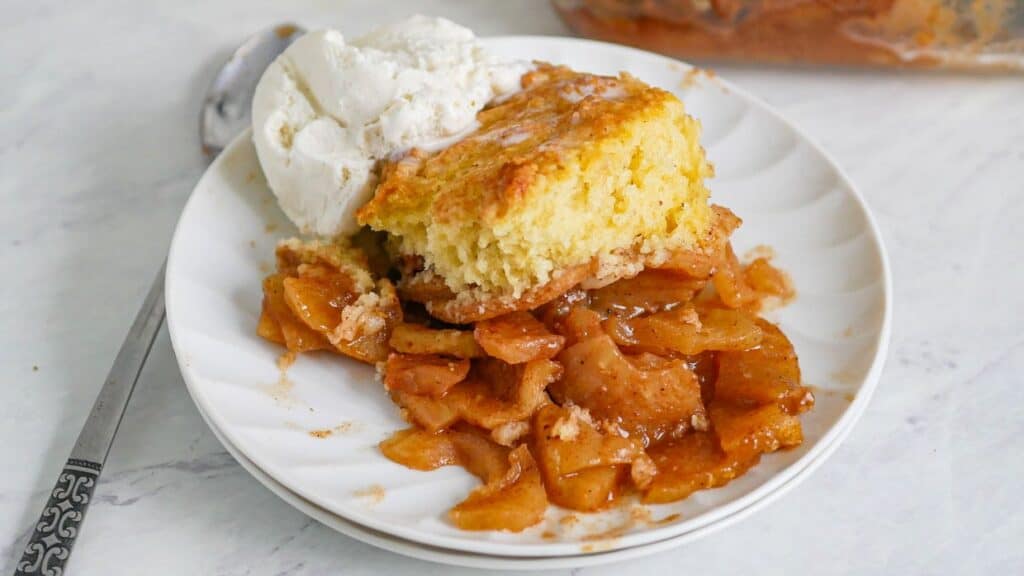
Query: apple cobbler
554	306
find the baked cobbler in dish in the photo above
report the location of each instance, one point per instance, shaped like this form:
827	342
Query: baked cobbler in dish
554	305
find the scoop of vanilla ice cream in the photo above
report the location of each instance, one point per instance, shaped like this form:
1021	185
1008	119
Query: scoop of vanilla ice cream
326	111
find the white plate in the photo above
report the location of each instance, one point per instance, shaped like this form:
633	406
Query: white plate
470	560
790	194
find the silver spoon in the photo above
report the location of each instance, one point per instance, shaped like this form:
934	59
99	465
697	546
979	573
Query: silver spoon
225	114
229	99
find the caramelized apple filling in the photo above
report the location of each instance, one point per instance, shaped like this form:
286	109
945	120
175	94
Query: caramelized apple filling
323	298
660	385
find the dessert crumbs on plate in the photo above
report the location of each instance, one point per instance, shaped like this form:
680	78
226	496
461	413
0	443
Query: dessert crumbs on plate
847	376
270	228
570	520
266	267
342	428
640	514
280	390
285	361
692	75
374	493
602	546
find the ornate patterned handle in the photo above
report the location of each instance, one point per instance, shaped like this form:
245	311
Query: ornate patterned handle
50	546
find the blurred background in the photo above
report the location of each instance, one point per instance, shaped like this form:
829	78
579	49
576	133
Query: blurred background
975	35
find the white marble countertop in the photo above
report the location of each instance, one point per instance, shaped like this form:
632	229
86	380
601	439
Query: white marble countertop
99	152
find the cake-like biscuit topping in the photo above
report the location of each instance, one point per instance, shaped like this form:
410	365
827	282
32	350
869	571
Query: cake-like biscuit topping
574	170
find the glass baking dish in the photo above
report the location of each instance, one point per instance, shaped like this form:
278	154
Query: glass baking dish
957	34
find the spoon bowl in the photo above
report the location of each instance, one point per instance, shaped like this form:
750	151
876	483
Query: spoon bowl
227	108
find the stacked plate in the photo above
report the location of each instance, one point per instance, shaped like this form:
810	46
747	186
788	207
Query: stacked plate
311	434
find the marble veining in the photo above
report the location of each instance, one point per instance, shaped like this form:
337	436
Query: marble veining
99	153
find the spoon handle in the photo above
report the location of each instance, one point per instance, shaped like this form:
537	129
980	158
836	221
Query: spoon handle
49	547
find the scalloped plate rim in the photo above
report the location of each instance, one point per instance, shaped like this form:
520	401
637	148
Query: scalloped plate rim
844	421
436	555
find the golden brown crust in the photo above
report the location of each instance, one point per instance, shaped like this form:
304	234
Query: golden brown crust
572	168
518	140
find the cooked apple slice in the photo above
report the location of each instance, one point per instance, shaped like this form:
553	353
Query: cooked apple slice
513	502
567	442
580	324
497	393
693	462
687	331
318	296
583	468
730	283
760	429
297	335
517	337
418	339
588	490
767	279
648	292
366	324
422	374
494	394
267	327
357	324
648	402
483	458
419	449
432	414
767	374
